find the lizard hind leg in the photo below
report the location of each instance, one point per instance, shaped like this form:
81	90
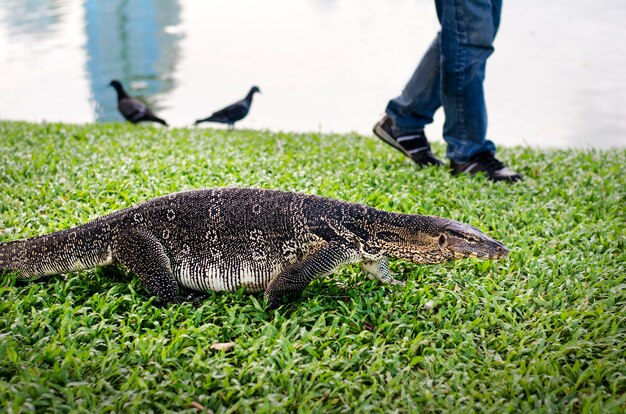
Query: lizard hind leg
144	256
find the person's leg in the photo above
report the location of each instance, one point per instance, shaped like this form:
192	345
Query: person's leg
468	29
421	97
403	125
451	74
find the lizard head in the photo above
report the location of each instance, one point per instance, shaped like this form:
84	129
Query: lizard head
463	240
426	239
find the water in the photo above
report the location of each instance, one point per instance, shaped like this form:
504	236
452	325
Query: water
555	80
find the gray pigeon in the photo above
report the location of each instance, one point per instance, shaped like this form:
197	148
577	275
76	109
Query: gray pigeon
234	112
132	109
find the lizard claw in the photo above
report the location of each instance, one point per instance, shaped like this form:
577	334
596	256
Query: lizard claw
398	283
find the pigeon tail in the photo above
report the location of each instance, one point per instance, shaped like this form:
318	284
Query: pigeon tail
146	116
157	119
219	118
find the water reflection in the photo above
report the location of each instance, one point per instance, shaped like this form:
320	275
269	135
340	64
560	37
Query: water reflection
33	19
128	41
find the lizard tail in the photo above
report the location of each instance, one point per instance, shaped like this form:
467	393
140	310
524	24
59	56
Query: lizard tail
79	248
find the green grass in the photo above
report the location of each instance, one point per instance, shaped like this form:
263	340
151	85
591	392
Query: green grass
543	330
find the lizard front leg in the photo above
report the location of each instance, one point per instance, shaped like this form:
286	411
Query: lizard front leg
379	269
293	279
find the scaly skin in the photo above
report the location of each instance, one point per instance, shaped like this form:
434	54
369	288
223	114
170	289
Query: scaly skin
265	240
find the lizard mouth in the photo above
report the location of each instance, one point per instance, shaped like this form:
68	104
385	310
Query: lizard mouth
497	253
473	255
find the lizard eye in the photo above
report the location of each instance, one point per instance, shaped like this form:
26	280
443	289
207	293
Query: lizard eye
442	240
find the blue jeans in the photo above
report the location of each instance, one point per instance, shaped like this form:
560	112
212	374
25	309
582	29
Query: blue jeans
451	75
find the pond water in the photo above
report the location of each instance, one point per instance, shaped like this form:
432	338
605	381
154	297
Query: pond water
555	80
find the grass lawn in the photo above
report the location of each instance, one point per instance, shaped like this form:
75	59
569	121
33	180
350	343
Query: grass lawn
543	330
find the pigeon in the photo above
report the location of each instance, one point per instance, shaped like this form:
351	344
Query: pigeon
132	109
234	112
